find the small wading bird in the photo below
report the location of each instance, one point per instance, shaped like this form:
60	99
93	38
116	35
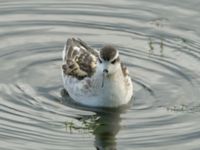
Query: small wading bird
95	78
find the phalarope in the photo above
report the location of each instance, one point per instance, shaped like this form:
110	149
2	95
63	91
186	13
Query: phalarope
95	78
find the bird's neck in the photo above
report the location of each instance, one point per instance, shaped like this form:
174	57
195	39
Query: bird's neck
114	80
114	88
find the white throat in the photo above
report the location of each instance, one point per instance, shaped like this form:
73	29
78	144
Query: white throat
114	87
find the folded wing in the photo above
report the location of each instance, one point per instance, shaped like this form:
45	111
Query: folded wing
79	59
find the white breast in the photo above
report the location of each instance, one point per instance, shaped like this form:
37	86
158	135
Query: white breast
89	91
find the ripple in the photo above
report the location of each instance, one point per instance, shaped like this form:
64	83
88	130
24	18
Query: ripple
158	41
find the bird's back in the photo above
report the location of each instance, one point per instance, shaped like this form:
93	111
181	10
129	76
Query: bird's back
79	60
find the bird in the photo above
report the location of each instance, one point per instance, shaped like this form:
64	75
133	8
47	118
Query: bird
95	78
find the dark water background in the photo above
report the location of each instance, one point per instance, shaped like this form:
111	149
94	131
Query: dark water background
159	41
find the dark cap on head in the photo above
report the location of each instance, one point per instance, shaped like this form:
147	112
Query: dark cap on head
108	53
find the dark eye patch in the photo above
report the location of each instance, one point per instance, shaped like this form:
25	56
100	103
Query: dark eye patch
100	60
114	61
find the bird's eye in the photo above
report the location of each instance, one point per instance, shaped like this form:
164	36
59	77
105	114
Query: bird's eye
100	60
113	62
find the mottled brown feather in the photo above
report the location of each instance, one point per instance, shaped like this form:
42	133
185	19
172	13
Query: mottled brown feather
79	63
124	70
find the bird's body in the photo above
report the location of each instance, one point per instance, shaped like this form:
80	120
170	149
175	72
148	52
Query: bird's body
95	78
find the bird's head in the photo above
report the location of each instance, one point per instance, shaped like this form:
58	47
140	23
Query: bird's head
109	60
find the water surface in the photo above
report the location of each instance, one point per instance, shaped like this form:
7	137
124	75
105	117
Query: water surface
158	40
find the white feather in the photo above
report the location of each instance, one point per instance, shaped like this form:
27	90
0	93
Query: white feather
117	90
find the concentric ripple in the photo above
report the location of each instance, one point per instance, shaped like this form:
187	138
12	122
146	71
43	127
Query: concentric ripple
159	41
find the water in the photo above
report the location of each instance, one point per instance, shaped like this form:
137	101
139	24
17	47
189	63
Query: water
158	40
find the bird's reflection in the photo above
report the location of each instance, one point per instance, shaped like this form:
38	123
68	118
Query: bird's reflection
106	131
104	125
